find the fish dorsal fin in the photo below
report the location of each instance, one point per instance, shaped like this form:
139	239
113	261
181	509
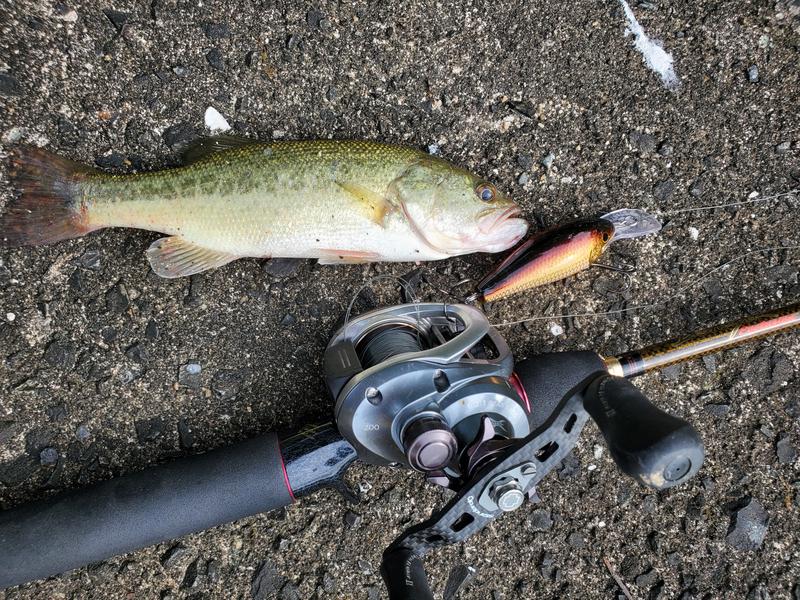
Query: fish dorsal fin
172	257
206	146
375	206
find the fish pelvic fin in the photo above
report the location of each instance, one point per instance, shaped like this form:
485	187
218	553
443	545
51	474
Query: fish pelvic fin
375	206
49	207
173	257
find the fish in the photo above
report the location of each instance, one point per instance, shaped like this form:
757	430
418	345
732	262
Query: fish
338	201
560	252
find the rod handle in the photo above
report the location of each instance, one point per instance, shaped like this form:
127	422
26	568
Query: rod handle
137	510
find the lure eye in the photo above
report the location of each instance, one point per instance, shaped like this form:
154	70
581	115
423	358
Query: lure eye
605	236
486	192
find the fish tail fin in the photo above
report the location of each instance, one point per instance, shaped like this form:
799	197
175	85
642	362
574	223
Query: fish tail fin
48	209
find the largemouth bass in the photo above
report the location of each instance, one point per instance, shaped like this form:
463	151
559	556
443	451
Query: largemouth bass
336	201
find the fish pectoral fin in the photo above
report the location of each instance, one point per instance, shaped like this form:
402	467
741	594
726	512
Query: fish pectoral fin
346	257
172	257
206	146
375	206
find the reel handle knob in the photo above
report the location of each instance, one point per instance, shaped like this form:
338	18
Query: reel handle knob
657	449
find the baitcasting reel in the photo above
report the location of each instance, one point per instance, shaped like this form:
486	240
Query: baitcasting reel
412	384
429	386
433	387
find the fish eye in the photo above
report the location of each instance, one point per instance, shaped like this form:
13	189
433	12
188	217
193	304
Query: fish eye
605	236
486	192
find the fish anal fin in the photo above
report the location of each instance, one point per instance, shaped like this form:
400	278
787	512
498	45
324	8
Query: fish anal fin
203	147
375	206
346	257
172	257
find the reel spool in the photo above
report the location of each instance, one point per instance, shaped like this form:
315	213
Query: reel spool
412	383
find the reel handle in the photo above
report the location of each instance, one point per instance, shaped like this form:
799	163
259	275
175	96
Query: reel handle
404	575
657	449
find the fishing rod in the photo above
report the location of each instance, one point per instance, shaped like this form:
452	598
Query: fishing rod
715	339
428	386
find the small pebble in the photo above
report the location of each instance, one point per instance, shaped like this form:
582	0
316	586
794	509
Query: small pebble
664	190
540	520
647	578
117	18
9	86
216	31
459	577
752	73
151	331
352	519
178	134
525	161
547	161
91	259
748	526
214	58
173	556
10	317
48	456
149	430
282	267
576	540
644	142
717	410
65	13
694	233
556	329
787	453
215	122
189	375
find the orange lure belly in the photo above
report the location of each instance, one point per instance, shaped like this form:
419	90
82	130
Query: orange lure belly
549	256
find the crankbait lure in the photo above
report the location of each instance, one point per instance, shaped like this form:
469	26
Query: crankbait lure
562	251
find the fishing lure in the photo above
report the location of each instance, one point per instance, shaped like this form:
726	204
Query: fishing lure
561	251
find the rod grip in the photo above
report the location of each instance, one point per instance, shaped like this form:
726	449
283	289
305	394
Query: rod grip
657	449
123	514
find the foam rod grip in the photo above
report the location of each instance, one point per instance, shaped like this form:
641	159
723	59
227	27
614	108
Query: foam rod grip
657	449
123	514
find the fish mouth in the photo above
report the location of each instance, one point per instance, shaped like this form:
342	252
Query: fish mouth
490	219
501	229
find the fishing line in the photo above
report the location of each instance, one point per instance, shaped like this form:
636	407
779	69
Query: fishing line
651	305
403	283
729	204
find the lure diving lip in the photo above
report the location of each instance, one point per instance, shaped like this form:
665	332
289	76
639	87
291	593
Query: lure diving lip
562	251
